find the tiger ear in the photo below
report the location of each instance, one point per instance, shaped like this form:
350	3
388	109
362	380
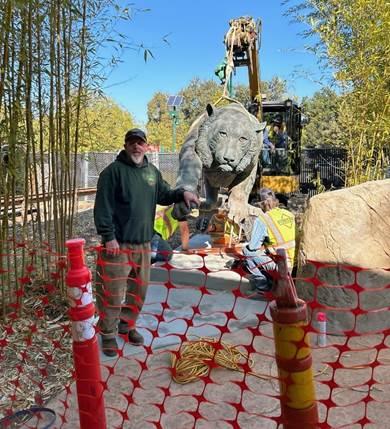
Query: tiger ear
210	109
261	127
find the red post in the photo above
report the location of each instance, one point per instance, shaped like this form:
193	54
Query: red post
85	345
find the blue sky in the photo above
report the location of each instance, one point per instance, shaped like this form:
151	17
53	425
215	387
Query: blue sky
195	32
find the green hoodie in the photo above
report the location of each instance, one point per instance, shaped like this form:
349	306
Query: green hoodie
126	198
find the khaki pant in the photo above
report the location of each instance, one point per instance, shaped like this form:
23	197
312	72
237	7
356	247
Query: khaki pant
121	283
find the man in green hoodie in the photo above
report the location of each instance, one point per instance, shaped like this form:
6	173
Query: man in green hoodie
128	191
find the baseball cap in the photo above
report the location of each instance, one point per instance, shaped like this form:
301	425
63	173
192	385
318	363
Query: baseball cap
135	133
266	193
277	119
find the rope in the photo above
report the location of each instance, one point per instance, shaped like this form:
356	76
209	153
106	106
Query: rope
27	414
229	58
198	357
233	100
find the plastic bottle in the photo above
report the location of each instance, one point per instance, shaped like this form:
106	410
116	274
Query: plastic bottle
321	335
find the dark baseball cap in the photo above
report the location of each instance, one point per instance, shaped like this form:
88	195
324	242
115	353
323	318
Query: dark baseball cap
277	119
266	193
135	133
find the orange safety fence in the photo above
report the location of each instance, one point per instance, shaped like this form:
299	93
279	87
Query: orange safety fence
208	358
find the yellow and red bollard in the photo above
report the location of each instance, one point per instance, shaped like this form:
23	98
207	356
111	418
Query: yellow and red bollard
294	361
85	345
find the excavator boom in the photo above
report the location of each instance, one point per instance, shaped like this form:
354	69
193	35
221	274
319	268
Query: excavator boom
242	43
280	167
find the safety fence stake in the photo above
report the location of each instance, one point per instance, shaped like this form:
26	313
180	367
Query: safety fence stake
85	344
293	352
294	361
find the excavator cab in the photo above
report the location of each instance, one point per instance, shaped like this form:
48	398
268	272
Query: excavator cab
280	167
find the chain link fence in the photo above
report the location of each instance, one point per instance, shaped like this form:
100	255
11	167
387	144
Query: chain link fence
320	169
90	165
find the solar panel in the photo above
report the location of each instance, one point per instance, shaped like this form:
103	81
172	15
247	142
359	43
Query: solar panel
174	100
178	100
171	99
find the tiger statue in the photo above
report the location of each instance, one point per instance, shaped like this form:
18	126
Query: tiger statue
224	143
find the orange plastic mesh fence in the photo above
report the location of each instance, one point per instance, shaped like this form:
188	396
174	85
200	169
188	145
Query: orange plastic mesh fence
208	358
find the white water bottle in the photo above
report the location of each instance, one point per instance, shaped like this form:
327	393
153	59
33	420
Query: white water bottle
321	335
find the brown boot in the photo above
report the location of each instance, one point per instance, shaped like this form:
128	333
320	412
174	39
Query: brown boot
109	347
135	338
123	327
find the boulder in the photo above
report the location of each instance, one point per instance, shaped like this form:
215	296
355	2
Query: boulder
344	257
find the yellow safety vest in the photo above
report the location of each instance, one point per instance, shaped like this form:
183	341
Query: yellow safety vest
281	231
232	229
272	137
164	223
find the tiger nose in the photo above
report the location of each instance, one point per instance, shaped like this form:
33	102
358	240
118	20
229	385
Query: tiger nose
228	158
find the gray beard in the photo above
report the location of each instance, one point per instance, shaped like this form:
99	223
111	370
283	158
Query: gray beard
137	159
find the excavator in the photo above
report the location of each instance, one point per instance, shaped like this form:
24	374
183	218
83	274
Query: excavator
279	169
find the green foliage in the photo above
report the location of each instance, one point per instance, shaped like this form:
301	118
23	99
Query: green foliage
275	89
354	36
196	95
160	124
324	128
103	124
242	94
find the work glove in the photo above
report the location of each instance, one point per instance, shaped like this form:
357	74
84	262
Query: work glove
180	210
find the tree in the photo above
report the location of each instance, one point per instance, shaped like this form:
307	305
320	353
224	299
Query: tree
50	61
195	95
103	123
324	127
354	37
275	89
159	124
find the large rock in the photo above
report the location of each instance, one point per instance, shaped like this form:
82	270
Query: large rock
350	230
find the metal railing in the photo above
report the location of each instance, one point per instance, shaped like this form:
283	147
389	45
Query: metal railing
322	169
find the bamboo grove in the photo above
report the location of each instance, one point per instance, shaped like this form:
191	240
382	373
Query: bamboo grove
45	69
353	38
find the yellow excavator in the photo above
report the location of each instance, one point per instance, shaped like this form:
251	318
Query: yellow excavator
278	169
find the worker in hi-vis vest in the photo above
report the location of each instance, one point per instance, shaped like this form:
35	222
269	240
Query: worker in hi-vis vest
275	227
165	225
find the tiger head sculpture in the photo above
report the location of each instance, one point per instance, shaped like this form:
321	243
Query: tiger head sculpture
223	143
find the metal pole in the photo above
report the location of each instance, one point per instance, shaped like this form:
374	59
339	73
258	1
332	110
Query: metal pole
174	130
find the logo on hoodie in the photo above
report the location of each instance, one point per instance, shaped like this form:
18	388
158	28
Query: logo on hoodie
150	177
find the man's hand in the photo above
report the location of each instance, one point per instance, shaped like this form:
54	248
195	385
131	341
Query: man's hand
190	199
112	247
182	209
